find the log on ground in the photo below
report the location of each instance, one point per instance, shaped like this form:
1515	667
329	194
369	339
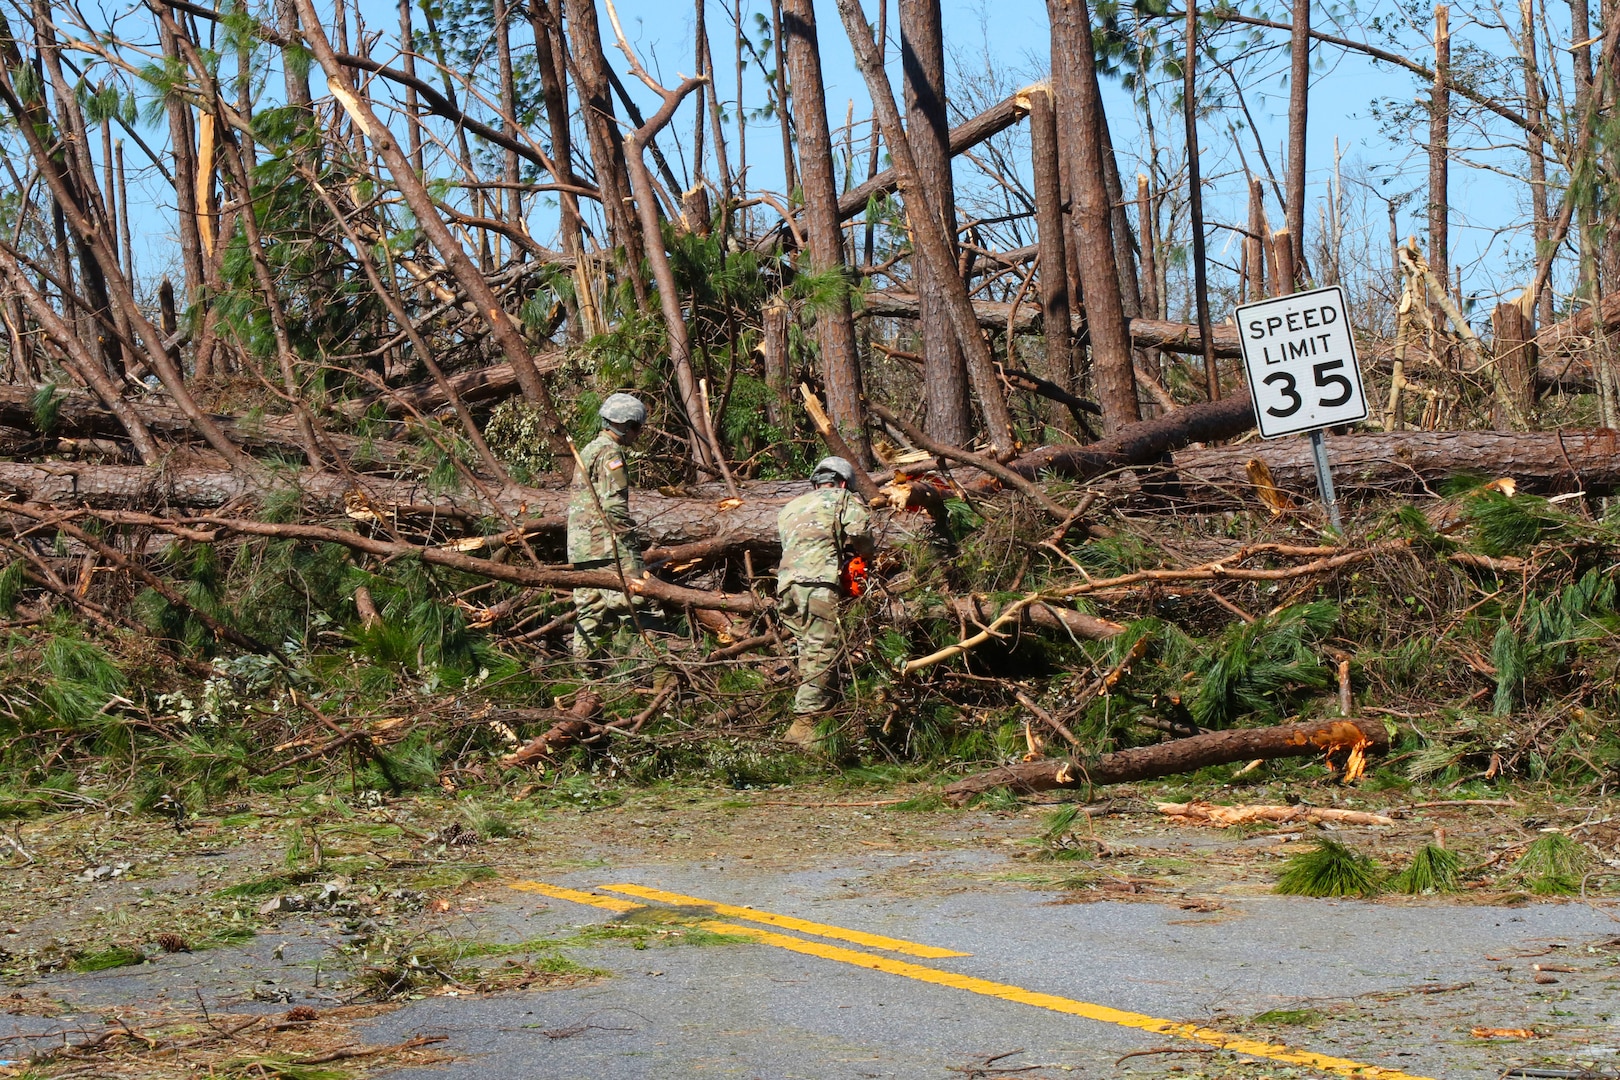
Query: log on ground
1408	461
579	723
1175	756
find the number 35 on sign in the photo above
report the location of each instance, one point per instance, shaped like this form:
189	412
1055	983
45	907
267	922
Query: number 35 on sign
1300	355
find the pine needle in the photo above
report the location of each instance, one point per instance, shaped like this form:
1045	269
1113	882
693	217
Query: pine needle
1554	865
1433	870
1332	869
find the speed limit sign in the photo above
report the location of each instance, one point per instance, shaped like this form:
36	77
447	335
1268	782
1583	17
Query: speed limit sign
1300	357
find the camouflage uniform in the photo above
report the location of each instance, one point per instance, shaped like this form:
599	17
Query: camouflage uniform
599	538
818	531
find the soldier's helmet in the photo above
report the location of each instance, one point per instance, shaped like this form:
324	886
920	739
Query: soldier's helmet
833	469
623	410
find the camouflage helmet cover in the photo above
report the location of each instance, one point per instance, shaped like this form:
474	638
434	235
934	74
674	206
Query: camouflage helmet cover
833	466
623	409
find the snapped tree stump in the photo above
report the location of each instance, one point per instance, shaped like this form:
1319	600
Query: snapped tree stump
1176	756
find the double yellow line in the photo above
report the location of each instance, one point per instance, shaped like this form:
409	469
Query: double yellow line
922	973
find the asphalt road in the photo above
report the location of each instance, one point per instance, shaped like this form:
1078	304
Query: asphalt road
1398	987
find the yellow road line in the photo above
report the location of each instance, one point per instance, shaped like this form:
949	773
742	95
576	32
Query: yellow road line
788	922
1005	991
557	892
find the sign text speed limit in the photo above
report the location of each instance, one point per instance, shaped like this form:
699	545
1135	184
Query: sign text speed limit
1301	361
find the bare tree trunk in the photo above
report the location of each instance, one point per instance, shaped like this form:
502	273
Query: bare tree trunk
1175	756
1055	309
1608	84
1299	91
546	24
835	329
1514	346
1535	106
1152	302
508	91
607	145
125	248
932	245
722	158
295	76
922	59
1195	200
1074	78
1581	55
1439	140
183	148
413	126
783	93
773	344
1255	243
1119	221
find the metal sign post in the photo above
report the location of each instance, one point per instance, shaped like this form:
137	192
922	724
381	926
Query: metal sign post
1300	357
1324	478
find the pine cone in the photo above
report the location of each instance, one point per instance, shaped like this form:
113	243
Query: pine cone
301	1013
172	943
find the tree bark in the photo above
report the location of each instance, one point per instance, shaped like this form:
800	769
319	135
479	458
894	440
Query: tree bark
931	244
1536	107
576	724
1513	344
1580	32
1055	310
1175	756
1299	92
835	327
1195	200
1074	78
1439	146
773	343
607	145
922	61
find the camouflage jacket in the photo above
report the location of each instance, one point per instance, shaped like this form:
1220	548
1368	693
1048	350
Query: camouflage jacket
591	536
818	532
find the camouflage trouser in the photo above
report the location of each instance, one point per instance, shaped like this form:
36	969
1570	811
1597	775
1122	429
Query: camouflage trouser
597	611
810	612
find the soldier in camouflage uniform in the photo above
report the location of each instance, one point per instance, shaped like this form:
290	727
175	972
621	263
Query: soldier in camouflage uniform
601	532
819	531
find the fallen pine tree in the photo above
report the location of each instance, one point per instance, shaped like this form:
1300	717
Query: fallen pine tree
1364	465
1175	756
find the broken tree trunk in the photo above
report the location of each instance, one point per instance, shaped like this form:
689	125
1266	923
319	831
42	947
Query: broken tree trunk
1203	813
1074	78
931	245
1175	756
1141	443
922	61
835	327
1513	344
1056	317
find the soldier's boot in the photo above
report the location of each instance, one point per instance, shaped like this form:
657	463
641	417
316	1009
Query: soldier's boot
802	733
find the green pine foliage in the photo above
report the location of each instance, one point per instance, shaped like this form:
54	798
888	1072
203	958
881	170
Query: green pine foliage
1259	667
1432	870
1511	525
1553	865
1330	869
